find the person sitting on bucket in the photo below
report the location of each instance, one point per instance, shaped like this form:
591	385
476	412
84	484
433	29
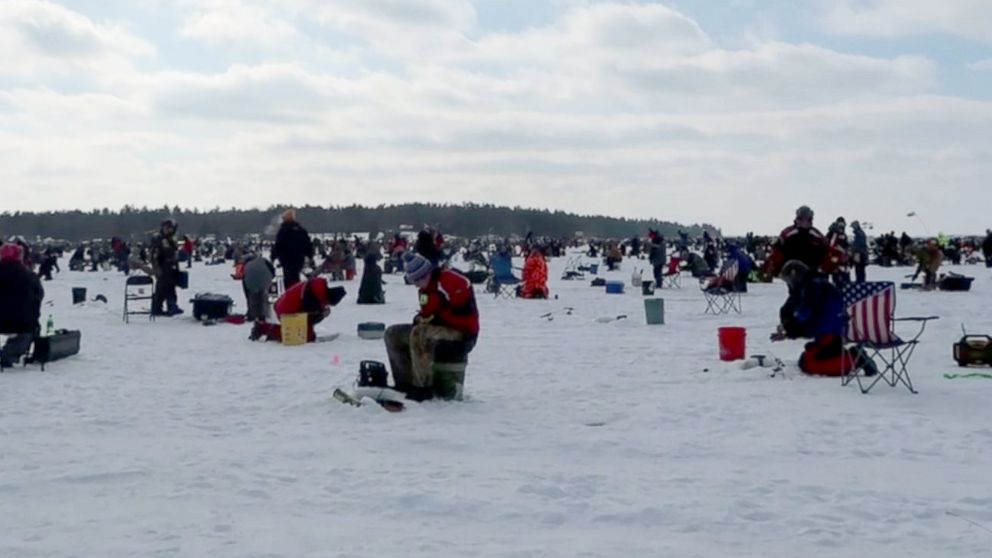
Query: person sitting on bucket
815	309
311	297
448	312
535	276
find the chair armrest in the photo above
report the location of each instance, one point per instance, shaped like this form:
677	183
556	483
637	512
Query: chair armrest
920	320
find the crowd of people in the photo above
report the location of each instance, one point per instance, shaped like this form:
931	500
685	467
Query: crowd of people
815	267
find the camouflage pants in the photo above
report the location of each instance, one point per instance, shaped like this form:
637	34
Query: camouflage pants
411	351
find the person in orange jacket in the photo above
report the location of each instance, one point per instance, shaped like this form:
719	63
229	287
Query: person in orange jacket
311	297
535	276
448	312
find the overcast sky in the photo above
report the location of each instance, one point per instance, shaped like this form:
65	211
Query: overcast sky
725	111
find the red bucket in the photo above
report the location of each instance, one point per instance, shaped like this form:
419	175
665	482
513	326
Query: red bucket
732	343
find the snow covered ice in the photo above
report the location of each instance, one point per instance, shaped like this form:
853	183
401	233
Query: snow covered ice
579	438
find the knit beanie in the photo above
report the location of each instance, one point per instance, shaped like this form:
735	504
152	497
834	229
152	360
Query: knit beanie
417	268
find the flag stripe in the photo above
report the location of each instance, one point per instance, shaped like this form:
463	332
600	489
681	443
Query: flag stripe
730	273
869	307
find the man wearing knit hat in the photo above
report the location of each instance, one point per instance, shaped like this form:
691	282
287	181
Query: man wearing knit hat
448	312
293	248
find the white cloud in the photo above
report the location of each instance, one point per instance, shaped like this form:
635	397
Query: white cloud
43	43
649	57
459	15
893	18
219	23
624	108
52	31
278	93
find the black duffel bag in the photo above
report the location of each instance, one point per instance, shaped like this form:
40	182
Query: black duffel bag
61	344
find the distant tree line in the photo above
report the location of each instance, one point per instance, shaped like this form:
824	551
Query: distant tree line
467	220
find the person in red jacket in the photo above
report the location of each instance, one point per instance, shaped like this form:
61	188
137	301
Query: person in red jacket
535	276
448	312
188	250
311	297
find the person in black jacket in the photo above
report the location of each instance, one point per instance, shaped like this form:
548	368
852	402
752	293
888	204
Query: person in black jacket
801	241
859	252
987	248
293	248
165	265
21	294
370	290
657	257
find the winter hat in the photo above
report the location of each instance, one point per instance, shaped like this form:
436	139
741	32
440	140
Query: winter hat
804	212
289	215
417	268
11	252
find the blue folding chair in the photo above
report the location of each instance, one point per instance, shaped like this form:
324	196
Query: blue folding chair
502	282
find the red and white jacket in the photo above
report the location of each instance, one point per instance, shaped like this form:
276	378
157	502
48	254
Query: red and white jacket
448	300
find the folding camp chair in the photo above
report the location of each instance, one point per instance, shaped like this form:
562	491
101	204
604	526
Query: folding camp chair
572	269
870	309
720	293
138	288
502	283
672	277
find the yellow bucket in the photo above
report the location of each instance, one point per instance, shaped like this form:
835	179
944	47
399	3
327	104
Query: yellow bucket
294	329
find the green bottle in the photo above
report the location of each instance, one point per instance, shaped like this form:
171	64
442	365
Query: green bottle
50	326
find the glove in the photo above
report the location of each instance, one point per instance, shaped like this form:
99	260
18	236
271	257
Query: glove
779	334
420	320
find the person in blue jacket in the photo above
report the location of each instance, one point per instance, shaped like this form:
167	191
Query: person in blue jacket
815	310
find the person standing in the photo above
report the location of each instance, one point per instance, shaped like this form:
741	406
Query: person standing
188	250
859	252
837	253
293	248
165	267
801	241
656	255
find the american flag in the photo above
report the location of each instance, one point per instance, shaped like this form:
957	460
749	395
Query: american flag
869	309
730	272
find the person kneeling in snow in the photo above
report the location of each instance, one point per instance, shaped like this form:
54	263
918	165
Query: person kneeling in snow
535	276
448	312
815	309
311	297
